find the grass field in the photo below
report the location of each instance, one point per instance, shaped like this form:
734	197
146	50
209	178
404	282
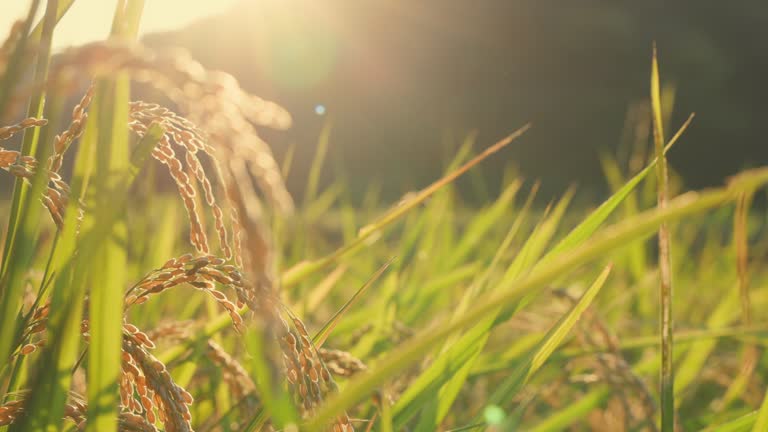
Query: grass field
219	304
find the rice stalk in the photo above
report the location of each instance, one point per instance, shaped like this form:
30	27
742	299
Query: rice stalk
75	327
188	138
23	228
665	271
750	353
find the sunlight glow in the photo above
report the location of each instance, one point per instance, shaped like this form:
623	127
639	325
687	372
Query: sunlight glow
90	20
298	49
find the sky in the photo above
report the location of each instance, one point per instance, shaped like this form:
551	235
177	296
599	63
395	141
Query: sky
90	20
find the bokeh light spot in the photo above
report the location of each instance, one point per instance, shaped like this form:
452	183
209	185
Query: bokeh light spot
494	415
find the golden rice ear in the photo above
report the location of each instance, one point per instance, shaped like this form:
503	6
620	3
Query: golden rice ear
10	411
7	132
190	141
220	165
63	141
341	363
205	273
146	376
237	378
214	101
74	410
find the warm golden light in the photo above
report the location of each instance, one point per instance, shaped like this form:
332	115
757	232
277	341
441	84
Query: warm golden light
90	20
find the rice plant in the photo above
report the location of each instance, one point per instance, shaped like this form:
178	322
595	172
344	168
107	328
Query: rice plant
220	305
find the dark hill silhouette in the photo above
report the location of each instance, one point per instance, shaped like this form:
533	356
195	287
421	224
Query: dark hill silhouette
397	77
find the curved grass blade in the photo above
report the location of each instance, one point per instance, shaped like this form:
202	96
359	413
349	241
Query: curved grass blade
313	179
72	261
62	9
575	411
108	276
761	423
450	370
750	354
577	236
279	406
479	284
323	288
480	225
23	224
300	271
597	217
741	424
665	288
536	358
304	269
608	239
324	332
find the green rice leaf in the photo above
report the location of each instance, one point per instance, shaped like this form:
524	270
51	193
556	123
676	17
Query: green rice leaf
606	240
536	358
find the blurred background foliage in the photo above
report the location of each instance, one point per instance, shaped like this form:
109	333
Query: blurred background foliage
404	82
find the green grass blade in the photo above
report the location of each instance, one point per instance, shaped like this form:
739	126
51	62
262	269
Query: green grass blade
636	259
513	383
741	424
606	240
479	284
278	404
761	423
25	213
61	10
667	372
320	292
72	269
689	368
52	381
313	179
601	214
109	276
534	247
575	411
326	330
302	270
464	152
750	354
451	369
385	420
482	224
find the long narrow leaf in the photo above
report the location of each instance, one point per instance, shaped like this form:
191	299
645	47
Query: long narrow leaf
513	383
24	222
326	330
608	239
304	269
662	180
